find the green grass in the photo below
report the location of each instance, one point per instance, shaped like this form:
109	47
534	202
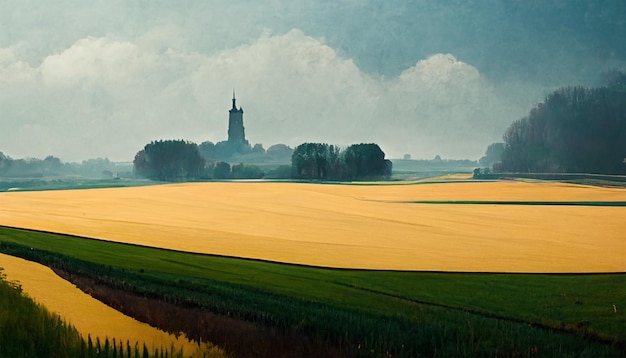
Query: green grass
517	202
449	312
69	183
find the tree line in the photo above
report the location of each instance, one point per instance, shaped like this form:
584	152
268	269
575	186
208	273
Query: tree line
179	160
229	152
321	161
574	130
52	166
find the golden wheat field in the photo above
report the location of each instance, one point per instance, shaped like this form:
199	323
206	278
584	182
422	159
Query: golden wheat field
352	226
88	315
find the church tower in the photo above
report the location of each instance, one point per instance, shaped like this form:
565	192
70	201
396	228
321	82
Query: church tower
236	131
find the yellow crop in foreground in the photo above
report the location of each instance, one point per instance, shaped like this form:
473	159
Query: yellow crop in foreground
88	315
352	226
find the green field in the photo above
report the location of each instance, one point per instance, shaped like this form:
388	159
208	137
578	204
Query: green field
66	183
363	312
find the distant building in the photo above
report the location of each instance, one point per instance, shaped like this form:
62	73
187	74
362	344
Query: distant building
236	131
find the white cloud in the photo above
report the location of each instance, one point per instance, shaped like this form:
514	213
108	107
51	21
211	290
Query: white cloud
448	108
105	96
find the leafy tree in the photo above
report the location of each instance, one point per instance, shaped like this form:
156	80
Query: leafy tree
258	149
5	162
242	171
221	170
207	150
314	161
366	161
493	154
169	160
52	165
224	150
279	152
321	161
575	129
282	172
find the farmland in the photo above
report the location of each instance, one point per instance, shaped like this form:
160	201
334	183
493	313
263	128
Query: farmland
434	227
504	247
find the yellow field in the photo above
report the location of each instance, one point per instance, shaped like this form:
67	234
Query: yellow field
88	315
356	226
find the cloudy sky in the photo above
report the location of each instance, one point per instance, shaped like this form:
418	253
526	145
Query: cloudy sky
101	78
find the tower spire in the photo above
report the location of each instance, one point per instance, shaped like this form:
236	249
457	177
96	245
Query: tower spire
234	106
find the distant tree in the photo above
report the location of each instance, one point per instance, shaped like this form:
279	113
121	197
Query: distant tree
237	171
221	170
51	166
243	171
207	150
93	168
279	152
224	150
321	161
5	162
169	160
315	161
493	155
366	161
282	172
258	149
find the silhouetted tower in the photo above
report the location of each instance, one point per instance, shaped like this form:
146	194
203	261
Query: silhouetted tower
236	131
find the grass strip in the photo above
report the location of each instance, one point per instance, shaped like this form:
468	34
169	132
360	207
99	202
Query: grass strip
500	202
378	311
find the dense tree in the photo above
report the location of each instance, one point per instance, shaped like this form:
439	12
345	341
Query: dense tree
243	171
366	161
282	172
321	161
258	149
31	167
53	166
575	129
221	171
493	154
207	151
315	161
224	150
279	152
169	160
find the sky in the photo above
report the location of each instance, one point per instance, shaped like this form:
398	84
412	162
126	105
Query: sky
102	78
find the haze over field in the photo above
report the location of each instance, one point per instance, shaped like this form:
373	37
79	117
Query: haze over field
102	78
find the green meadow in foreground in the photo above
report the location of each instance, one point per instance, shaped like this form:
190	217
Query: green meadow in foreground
360	312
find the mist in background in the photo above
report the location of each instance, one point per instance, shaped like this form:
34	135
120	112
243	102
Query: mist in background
93	79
